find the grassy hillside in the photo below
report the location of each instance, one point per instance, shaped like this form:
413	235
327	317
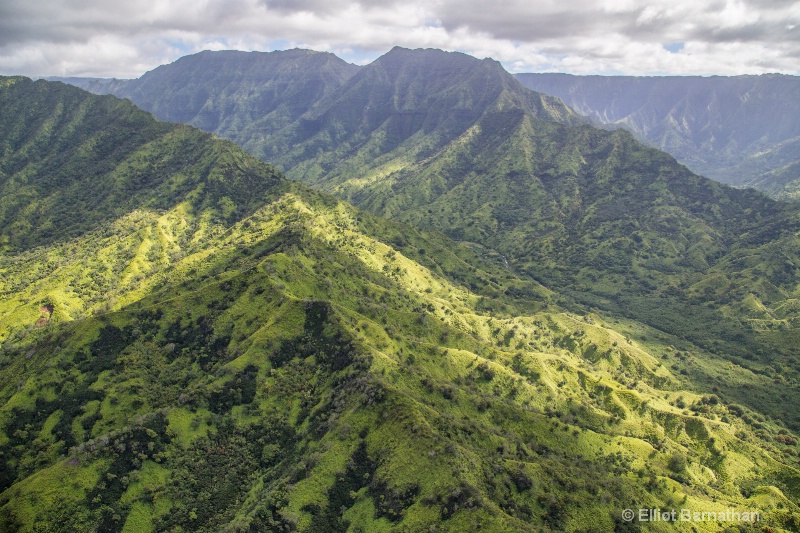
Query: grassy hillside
305	367
614	224
72	162
300	365
450	143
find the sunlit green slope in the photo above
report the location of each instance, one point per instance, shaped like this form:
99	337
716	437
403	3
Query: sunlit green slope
282	361
72	162
451	143
456	144
304	366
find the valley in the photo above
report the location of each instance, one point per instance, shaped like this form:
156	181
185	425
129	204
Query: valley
451	303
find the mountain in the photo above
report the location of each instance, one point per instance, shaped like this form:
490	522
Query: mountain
405	107
72	162
242	96
93	85
194	358
450	143
740	130
269	102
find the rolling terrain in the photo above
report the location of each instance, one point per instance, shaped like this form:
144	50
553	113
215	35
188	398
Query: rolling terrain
192	342
450	143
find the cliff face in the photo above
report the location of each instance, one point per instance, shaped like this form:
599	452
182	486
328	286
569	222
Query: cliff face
742	130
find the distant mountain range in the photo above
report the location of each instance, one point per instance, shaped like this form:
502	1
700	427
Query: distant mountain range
740	130
240	96
451	143
448	142
743	130
527	324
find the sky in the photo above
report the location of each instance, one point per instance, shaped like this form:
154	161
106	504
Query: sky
609	37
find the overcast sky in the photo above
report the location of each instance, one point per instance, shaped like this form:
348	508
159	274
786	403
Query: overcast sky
107	39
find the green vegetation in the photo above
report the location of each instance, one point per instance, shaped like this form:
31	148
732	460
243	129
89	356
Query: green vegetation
449	143
241	96
228	350
739	130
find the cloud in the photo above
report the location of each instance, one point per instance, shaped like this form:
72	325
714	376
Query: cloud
97	38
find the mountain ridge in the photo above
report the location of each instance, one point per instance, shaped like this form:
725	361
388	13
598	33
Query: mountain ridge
527	192
236	102
537	190
703	124
730	129
61	190
286	361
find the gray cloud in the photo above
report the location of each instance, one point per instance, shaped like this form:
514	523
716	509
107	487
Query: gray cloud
322	7
95	37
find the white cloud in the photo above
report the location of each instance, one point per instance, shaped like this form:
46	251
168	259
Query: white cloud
95	37
647	16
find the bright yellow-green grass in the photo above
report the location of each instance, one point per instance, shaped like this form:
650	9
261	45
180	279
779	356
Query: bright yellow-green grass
466	409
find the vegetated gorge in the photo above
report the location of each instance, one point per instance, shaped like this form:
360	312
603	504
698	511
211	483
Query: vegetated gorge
740	130
525	323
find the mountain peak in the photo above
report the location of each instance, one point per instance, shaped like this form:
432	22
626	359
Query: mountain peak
434	57
241	63
262	89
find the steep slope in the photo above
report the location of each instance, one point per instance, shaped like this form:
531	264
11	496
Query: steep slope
451	143
269	103
242	96
447	142
782	180
93	85
736	130
71	162
614	224
400	110
305	366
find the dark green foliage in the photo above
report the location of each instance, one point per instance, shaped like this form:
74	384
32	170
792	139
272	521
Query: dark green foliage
268	518
677	463
521	481
210	478
105	350
240	390
18	458
320	339
462	497
198	339
128	449
359	473
391	502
